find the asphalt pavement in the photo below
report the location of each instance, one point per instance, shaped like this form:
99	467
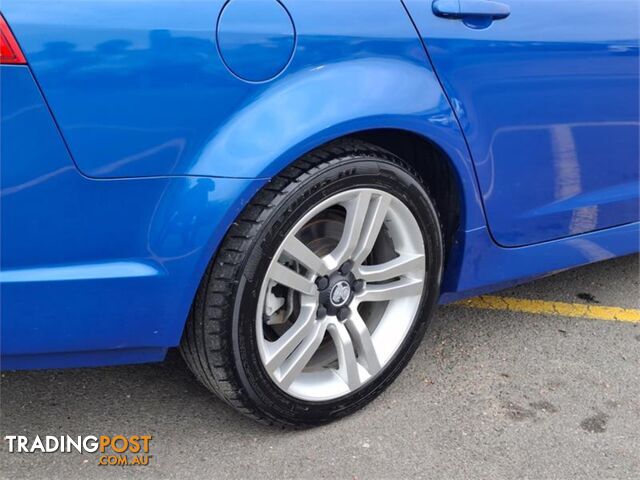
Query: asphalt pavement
489	394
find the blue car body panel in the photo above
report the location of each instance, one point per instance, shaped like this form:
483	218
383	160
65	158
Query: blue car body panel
136	134
89	265
549	101
151	88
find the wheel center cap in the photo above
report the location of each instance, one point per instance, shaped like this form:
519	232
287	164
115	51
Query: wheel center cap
340	293
337	293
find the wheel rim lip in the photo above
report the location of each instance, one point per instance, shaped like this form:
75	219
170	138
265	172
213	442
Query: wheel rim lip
323	385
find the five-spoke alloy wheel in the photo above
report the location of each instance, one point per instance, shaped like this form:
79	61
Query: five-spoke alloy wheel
321	290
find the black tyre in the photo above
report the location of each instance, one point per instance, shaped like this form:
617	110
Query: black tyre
321	290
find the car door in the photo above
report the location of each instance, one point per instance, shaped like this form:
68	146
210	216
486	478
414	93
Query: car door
546	92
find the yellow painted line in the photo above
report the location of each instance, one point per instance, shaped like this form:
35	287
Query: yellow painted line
562	309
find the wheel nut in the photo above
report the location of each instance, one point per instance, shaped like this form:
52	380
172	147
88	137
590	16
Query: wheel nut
346	267
322	283
358	286
321	312
343	313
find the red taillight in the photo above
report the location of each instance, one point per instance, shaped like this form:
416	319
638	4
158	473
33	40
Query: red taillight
9	49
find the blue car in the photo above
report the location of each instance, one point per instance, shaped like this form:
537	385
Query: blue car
285	189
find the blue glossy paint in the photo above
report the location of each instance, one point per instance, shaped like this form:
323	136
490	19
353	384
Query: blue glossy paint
91	265
259	49
548	99
160	101
118	188
480	265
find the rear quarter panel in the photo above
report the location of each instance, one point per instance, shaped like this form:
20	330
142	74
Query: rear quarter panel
146	93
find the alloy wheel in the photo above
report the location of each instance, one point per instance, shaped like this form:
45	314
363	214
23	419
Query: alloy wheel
340	294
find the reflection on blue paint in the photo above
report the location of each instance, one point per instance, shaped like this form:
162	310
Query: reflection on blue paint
95	271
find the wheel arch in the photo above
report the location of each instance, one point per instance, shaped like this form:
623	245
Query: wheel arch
393	103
